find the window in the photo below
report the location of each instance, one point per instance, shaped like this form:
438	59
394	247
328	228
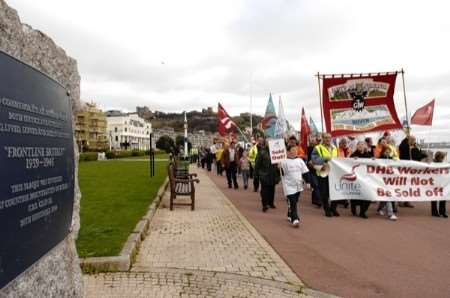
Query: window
125	129
117	138
115	129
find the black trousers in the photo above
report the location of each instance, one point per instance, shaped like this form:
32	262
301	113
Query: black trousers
442	208
325	195
255	183
231	174
267	195
292	201
363	206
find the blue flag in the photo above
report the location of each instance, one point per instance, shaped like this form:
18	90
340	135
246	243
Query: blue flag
270	119
313	126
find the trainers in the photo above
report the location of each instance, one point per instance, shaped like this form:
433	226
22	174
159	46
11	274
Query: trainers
296	223
393	217
380	212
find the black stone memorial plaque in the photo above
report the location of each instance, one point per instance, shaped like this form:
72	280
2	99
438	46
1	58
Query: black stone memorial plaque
36	166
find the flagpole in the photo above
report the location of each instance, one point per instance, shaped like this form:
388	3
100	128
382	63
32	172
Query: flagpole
406	105
320	98
251	104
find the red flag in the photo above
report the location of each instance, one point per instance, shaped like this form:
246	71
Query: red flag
424	115
305	130
224	123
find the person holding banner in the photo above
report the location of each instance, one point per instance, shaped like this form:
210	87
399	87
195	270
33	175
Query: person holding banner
267	174
321	155
439	156
386	153
361	152
294	172
408	150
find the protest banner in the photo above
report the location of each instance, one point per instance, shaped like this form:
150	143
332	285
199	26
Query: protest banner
388	180
277	150
356	104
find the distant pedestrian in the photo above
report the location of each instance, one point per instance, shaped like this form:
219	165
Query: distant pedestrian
209	160
229	163
294	172
219	152
439	156
253	154
267	174
244	165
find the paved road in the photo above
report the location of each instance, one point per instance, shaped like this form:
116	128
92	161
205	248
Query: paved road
354	257
210	252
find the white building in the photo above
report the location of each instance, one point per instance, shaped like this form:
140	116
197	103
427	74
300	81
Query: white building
128	131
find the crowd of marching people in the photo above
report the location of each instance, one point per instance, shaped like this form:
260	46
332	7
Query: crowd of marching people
310	168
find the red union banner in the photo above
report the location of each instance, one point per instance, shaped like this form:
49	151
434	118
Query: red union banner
359	103
388	180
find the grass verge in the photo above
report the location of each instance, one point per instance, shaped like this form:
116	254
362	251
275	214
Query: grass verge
116	194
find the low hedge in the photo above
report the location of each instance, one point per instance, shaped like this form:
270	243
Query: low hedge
88	156
92	156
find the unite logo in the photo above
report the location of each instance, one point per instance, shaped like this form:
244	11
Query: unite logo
350	176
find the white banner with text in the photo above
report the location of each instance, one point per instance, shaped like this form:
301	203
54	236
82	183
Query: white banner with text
388	180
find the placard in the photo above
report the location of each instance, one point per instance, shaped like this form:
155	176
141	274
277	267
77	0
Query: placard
388	180
277	149
36	166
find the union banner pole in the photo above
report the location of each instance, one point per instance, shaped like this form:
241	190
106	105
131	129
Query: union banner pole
320	99
406	104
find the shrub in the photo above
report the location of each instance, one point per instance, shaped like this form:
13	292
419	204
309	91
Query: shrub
88	156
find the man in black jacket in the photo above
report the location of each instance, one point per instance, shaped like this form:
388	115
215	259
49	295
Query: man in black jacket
409	151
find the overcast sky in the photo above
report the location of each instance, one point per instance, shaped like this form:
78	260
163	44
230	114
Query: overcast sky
183	55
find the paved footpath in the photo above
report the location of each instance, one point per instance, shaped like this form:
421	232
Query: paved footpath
354	257
210	252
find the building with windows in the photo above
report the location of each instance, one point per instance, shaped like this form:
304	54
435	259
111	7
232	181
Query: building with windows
128	131
90	128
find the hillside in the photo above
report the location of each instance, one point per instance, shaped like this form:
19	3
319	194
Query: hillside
198	120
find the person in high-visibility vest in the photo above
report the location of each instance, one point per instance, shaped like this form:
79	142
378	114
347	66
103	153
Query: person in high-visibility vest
252	154
320	156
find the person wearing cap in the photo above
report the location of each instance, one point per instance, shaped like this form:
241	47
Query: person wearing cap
321	155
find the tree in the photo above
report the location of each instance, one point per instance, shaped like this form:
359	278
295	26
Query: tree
179	141
165	143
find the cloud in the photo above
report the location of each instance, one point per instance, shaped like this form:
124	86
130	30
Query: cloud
226	51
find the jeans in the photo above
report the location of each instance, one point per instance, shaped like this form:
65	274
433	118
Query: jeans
245	176
231	174
292	201
315	195
389	207
267	195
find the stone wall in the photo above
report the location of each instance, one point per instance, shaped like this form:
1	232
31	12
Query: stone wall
57	274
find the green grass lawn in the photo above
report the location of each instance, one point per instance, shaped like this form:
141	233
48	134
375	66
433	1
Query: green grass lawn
115	196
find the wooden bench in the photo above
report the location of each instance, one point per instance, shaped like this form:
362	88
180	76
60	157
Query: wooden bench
181	184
